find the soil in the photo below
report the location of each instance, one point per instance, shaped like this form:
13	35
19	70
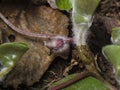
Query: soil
25	15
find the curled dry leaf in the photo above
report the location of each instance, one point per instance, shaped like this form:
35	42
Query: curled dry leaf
37	19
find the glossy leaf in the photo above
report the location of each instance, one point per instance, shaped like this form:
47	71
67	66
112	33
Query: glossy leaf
116	35
112	53
88	83
63	4
10	54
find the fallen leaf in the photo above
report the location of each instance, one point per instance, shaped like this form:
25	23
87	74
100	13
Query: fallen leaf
37	19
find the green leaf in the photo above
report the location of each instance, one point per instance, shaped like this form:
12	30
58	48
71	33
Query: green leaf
112	53
10	54
88	83
116	35
84	9
63	4
62	80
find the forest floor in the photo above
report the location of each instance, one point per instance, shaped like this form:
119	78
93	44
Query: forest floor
38	68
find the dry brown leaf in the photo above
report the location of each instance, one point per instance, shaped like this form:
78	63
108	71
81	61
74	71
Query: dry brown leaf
37	19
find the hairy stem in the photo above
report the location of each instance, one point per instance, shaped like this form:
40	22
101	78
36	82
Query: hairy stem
23	32
30	34
56	42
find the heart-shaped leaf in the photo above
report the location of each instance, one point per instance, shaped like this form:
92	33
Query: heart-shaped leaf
116	35
10	54
112	53
89	83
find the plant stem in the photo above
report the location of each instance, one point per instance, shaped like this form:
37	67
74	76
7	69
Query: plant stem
56	42
30	34
23	32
